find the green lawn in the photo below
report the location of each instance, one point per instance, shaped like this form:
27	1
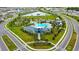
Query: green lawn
41	46
51	37
29	37
23	35
47	36
71	43
75	17
11	46
42	17
58	37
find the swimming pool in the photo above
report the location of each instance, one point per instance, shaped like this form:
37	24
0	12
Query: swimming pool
41	25
38	27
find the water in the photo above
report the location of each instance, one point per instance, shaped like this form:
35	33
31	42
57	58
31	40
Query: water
39	25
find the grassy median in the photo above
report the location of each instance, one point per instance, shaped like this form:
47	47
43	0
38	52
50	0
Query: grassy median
75	17
11	46
71	43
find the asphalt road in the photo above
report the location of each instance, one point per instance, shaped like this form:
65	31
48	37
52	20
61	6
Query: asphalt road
3	31
61	47
2	46
76	28
66	39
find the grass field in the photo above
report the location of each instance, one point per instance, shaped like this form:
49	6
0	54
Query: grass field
41	46
71	43
11	46
58	37
75	17
42	17
23	35
49	37
28	37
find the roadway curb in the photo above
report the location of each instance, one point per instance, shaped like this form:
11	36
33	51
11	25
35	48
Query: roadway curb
13	42
76	37
70	36
15	35
63	35
34	48
23	41
5	44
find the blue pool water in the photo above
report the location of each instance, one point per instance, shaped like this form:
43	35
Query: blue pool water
38	27
41	25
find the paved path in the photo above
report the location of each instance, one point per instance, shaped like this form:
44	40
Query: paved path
39	36
67	36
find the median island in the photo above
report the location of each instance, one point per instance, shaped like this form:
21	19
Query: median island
11	46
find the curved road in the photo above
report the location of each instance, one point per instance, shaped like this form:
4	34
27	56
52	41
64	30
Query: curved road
60	47
3	31
67	36
76	28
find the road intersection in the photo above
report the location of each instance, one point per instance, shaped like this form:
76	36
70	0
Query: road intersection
3	31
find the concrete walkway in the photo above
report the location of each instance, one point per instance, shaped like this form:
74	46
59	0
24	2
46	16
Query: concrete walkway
39	36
